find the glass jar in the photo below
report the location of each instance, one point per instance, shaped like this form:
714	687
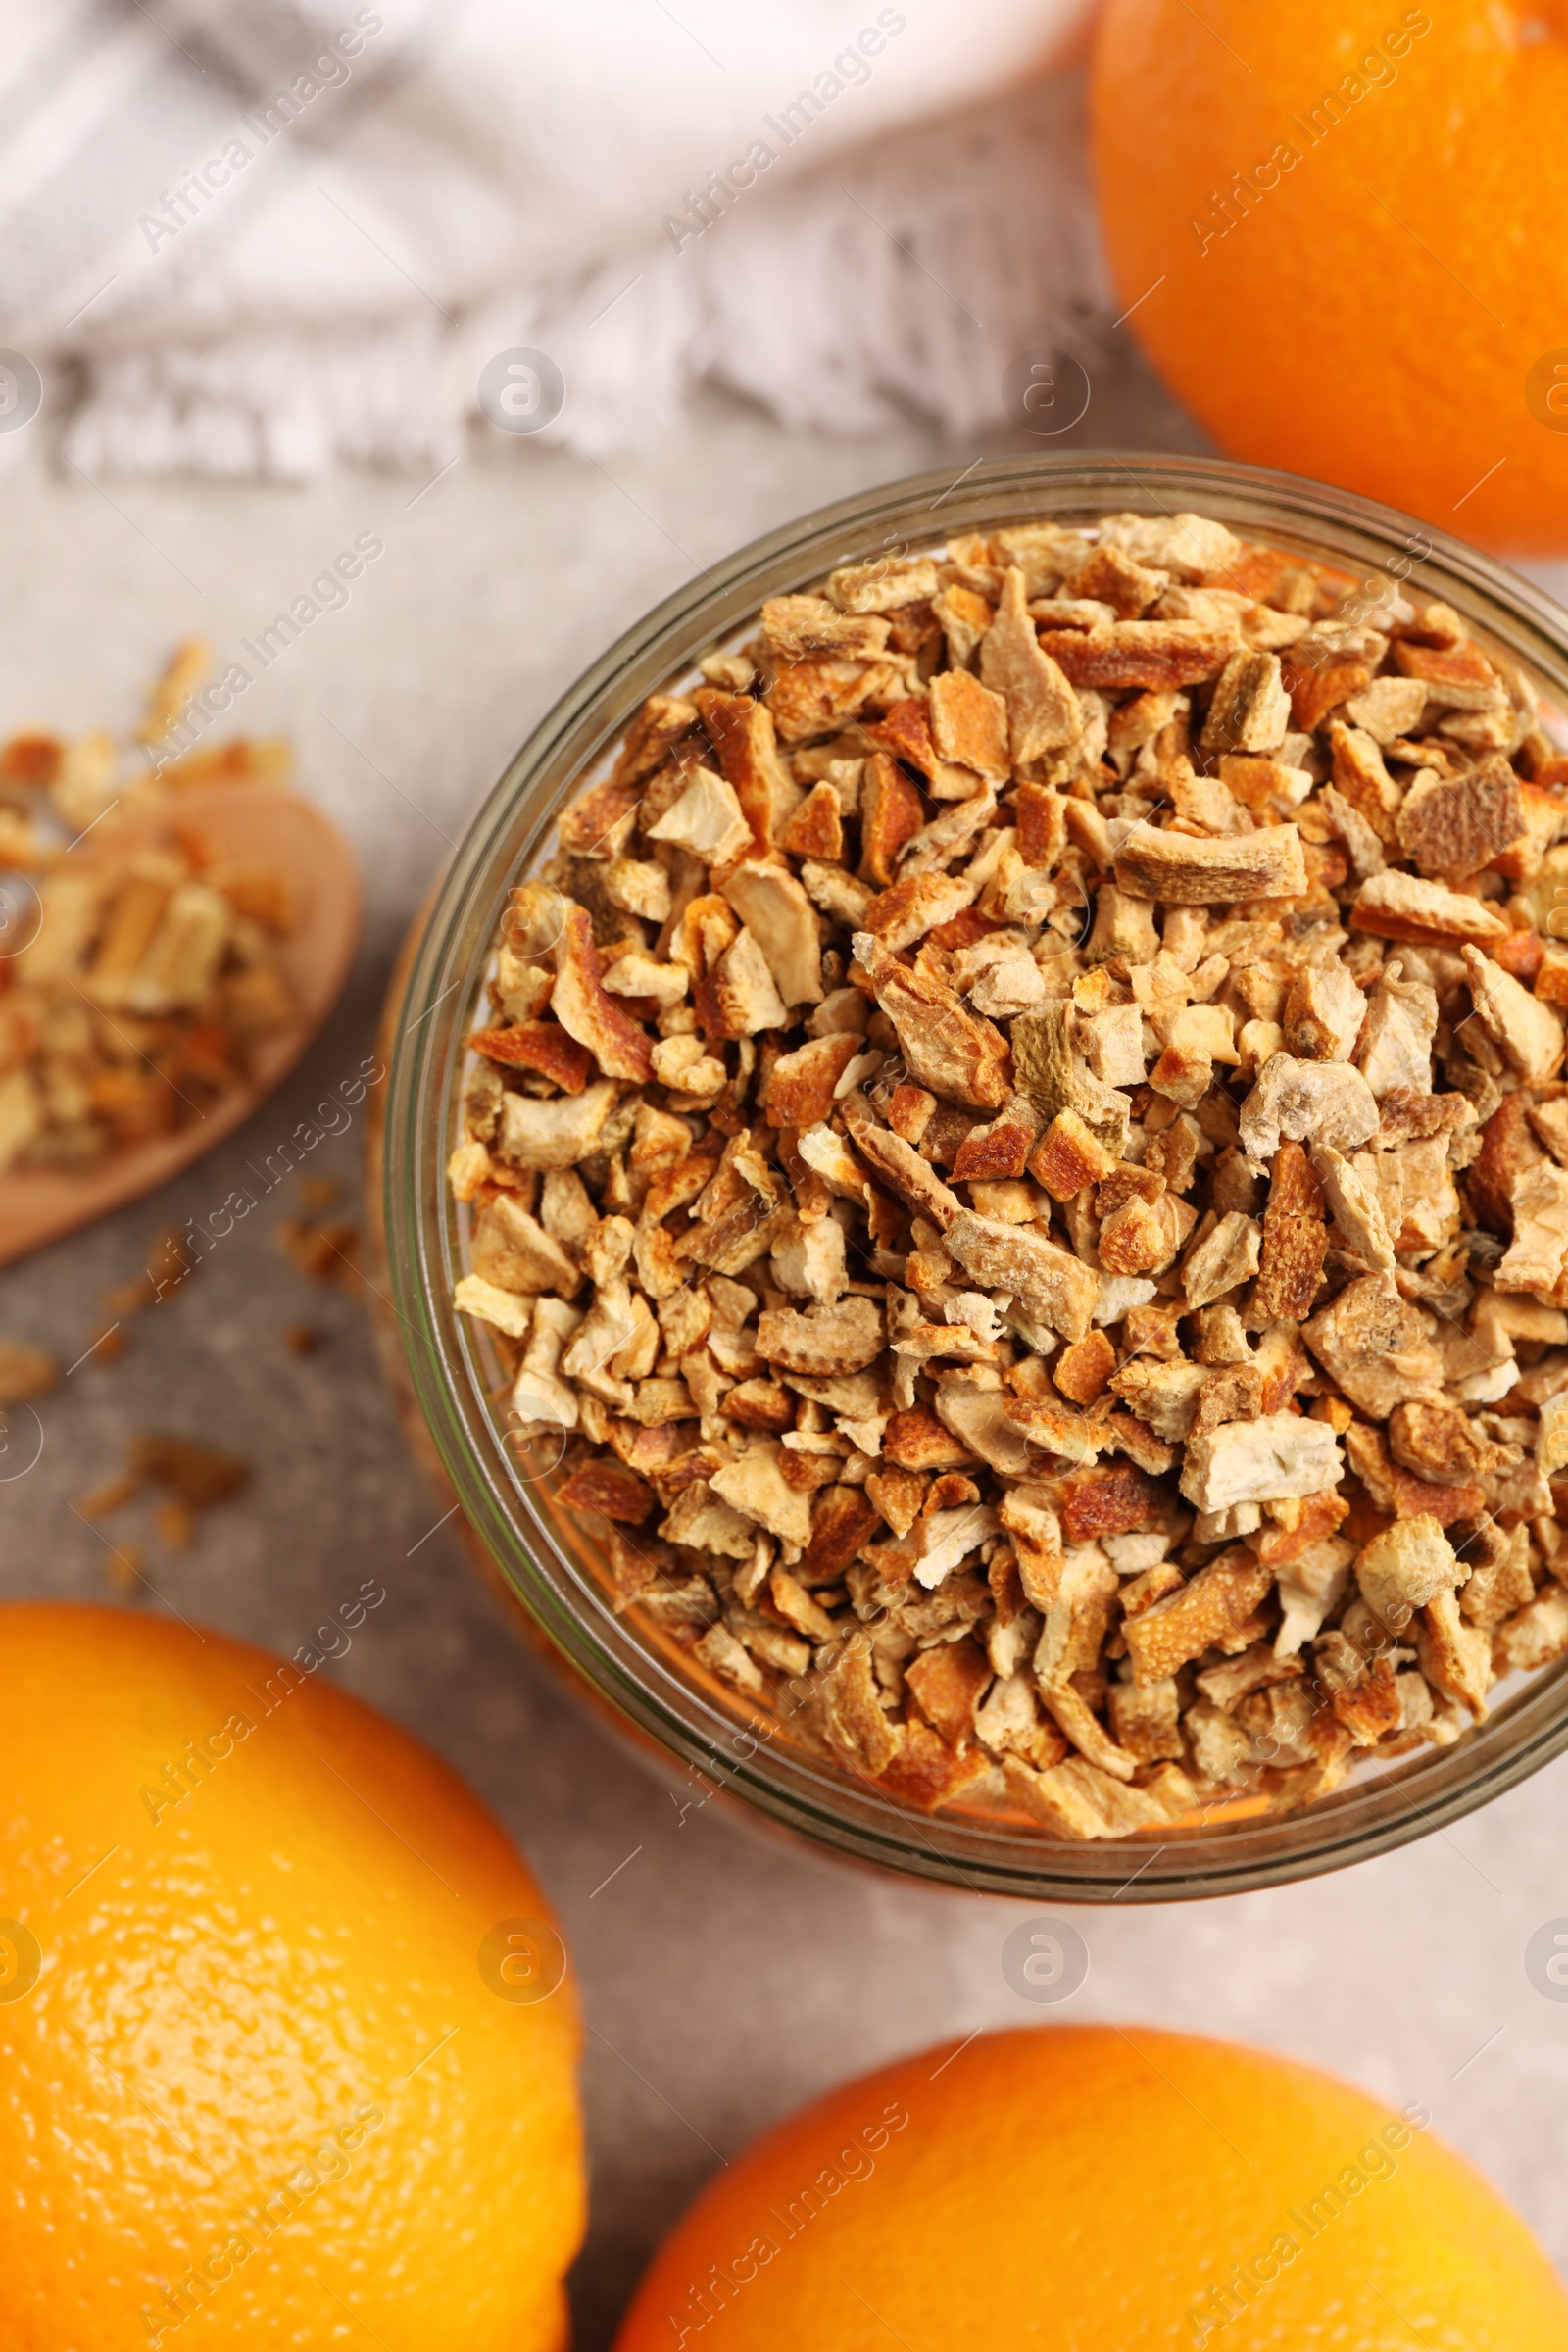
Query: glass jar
546	1556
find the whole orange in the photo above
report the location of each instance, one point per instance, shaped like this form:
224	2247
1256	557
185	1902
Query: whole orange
1341	223
1113	2191
257	2085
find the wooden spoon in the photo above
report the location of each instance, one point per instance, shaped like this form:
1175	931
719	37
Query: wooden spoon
254	825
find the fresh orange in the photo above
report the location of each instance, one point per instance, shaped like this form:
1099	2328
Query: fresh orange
1110	2191
258	2086
1341	223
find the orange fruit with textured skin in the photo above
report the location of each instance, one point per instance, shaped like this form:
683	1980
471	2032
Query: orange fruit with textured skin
1114	2192
1341	223
254	2086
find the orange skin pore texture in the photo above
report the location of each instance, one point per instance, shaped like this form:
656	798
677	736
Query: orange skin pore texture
224	2116
1389	310
1098	2188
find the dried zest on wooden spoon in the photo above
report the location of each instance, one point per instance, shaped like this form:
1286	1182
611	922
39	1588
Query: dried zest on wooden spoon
174	935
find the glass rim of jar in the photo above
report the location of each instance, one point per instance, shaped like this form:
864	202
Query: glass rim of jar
730	1747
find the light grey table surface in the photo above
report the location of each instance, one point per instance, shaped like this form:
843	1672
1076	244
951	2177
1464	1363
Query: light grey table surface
726	1978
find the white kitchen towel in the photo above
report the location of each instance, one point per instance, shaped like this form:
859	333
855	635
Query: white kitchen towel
265	237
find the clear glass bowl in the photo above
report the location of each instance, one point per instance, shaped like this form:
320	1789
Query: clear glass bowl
546	1556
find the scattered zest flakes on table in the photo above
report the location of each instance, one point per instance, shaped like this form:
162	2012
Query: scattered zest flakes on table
170	1263
327	1250
1018	1154
133	983
191	1478
25	1372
